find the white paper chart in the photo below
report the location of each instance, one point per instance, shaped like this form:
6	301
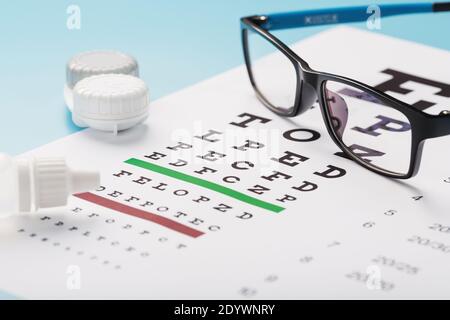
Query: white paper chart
217	197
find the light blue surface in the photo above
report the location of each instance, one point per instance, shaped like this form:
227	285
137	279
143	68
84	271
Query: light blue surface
6	296
177	43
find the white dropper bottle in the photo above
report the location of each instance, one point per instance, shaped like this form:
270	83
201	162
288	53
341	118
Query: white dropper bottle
27	185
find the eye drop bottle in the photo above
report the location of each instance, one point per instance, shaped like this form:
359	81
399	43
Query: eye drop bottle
27	185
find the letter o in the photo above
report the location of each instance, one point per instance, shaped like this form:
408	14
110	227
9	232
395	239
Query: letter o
312	135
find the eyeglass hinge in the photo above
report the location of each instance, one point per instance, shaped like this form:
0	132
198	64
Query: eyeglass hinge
261	20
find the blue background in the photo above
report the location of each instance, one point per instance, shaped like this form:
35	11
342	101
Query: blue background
176	42
6	296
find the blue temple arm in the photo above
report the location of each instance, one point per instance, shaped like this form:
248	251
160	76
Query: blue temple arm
308	18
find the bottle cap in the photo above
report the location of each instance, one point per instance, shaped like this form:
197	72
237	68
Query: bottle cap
48	182
30	184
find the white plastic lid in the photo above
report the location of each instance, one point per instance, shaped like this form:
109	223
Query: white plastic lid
110	102
92	63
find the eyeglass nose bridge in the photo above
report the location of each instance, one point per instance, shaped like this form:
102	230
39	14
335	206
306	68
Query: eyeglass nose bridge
309	95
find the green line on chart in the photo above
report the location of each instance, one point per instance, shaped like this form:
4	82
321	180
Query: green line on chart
205	184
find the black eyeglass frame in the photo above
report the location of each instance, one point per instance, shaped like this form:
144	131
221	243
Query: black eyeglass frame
310	87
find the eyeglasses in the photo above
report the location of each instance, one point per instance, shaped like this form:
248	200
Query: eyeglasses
348	107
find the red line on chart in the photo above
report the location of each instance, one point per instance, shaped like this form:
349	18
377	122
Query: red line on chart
113	205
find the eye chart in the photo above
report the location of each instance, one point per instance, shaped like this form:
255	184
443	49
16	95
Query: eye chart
217	197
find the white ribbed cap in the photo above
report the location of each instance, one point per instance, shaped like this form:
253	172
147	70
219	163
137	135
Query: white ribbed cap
110	102
51	183
54	182
91	63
